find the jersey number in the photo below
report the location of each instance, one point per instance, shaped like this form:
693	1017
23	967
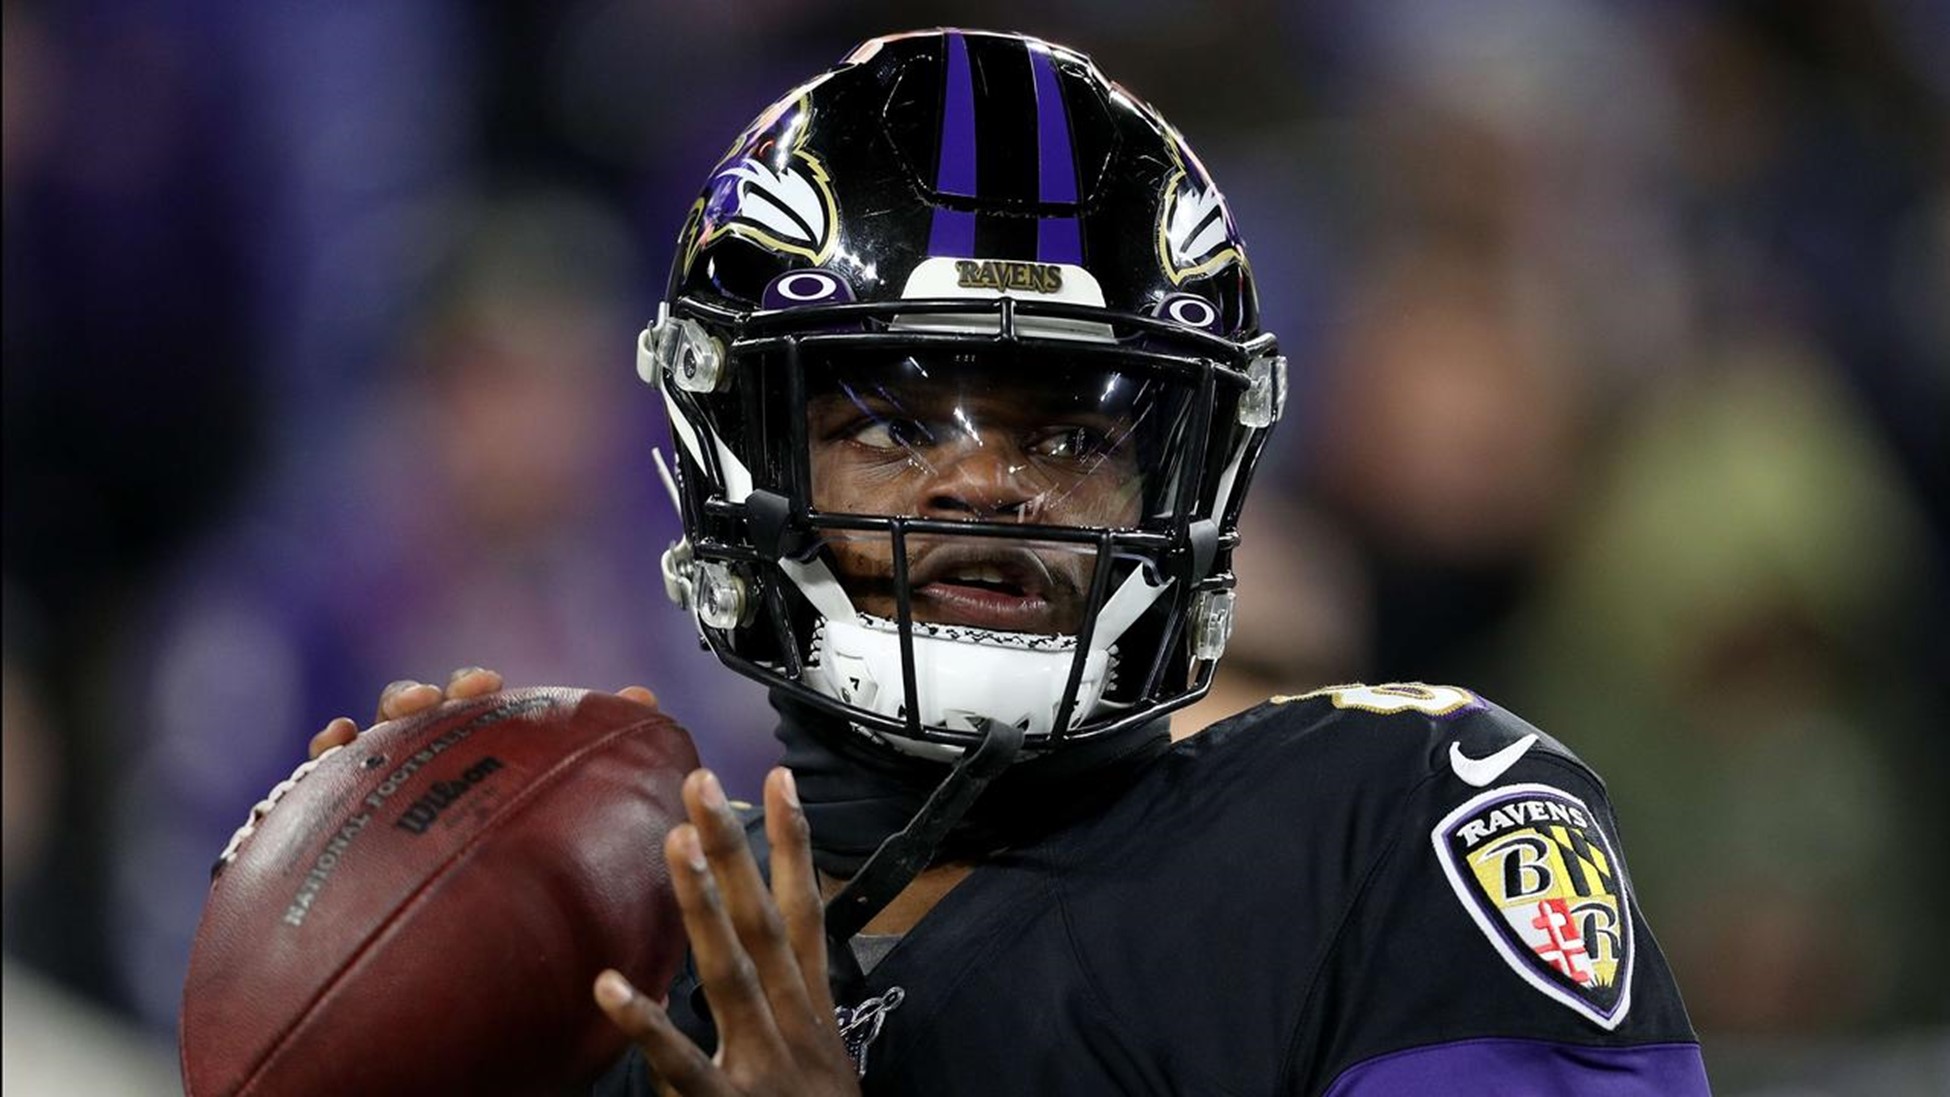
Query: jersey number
1391	698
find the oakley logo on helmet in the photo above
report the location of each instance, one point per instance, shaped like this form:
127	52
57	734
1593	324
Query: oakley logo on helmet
805	287
1190	310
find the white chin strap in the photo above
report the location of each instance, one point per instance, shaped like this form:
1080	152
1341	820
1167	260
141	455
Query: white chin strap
964	676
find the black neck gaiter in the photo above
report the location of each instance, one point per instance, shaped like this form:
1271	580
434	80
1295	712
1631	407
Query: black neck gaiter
857	794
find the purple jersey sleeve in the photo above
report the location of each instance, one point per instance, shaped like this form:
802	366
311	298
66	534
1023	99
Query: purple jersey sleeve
1507	1067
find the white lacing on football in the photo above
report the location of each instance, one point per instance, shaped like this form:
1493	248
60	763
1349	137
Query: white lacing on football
263	807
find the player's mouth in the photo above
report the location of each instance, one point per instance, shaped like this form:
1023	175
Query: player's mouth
988	586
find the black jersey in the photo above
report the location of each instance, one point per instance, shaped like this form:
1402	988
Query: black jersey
1364	890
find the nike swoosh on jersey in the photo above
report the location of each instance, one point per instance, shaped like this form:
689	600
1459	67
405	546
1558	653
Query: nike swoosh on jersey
1481	771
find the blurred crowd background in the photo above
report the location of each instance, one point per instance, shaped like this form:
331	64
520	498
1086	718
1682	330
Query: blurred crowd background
1622	345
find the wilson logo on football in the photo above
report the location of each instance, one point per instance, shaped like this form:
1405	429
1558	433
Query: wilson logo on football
1544	884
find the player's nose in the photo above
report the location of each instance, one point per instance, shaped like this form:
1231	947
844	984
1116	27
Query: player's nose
985	477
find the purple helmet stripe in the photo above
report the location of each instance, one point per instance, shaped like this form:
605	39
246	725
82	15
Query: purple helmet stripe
1058	239
955	173
1056	166
953	232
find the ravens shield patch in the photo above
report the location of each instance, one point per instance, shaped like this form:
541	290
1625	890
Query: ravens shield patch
1543	882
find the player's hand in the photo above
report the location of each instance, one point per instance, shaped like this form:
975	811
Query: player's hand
406	697
761	957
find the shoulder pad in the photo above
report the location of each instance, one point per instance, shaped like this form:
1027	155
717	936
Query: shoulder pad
1444	729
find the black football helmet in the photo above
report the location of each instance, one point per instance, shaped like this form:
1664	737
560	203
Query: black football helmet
963	365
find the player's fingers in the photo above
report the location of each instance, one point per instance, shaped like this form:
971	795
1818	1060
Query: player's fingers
404	698
336	734
754	917
731	982
640	694
680	1065
472	682
795	886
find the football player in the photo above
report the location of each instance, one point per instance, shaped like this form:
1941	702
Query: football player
966	378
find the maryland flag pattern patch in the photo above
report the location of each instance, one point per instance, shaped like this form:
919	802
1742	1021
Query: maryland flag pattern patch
1544	883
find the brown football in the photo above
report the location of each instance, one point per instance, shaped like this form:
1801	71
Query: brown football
425	910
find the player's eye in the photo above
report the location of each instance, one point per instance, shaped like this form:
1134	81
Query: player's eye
890	433
1069	443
